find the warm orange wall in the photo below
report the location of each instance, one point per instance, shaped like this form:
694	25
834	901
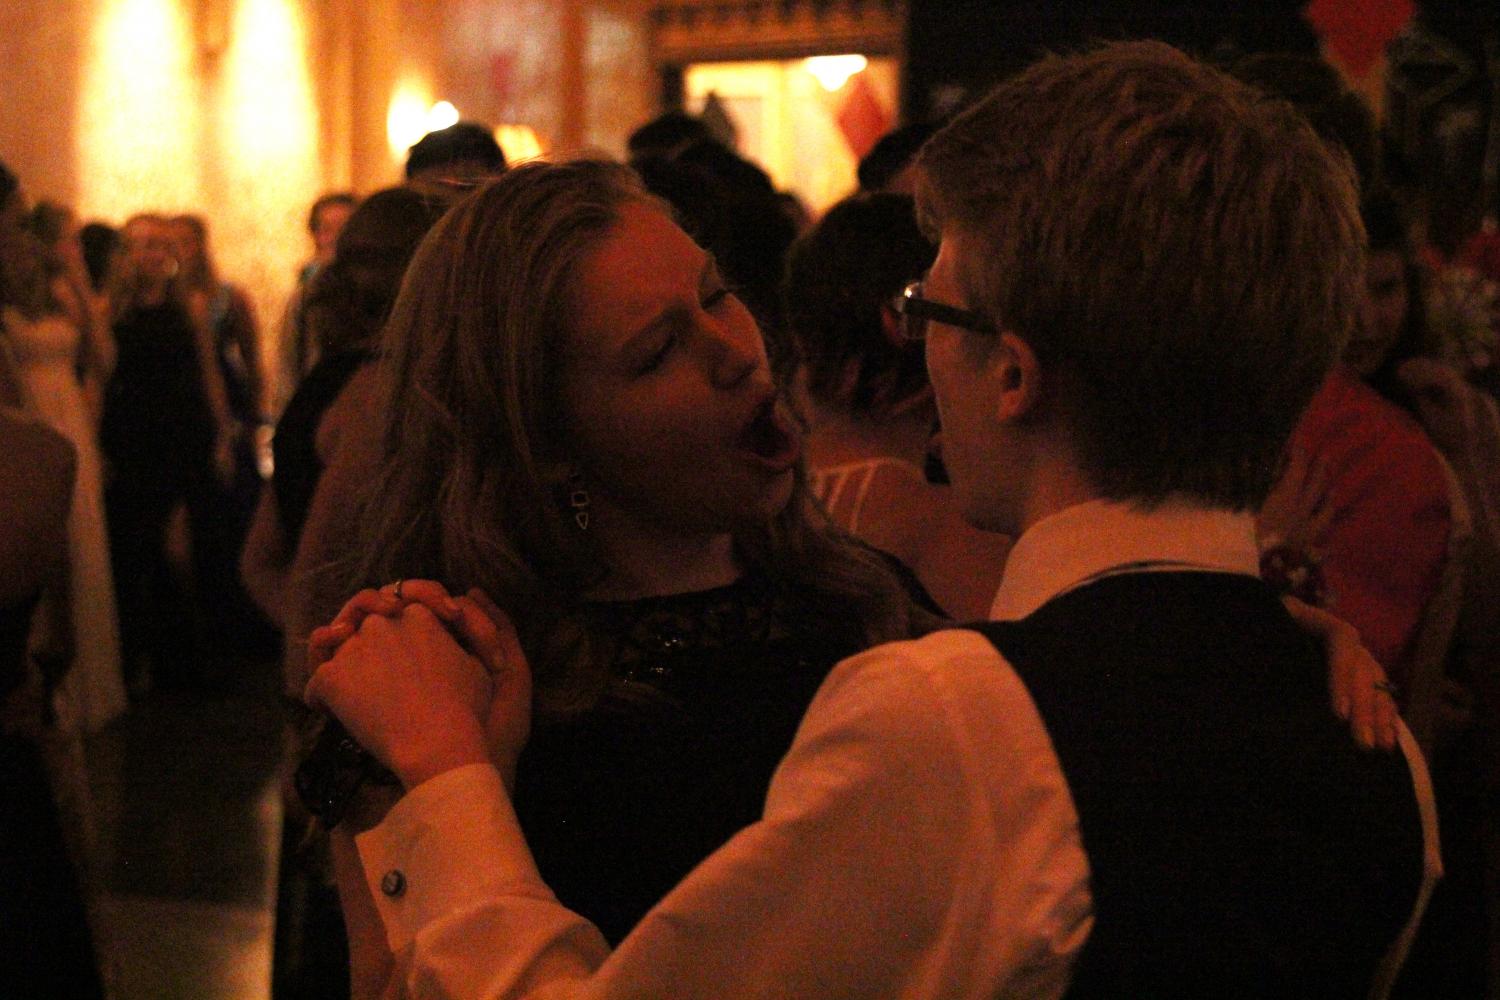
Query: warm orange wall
40	53
246	110
577	71
220	107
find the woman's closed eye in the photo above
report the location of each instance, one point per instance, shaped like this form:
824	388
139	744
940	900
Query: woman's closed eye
659	353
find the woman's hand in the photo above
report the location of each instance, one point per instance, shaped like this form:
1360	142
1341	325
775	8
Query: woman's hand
486	634
326	639
408	693
1459	418
1361	693
490	633
1296	513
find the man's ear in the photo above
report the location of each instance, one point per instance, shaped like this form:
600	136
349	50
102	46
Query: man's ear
1017	378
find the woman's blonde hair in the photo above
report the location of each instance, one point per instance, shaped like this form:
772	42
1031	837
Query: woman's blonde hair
471	491
126	285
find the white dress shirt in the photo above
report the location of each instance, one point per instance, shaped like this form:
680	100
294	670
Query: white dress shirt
918	840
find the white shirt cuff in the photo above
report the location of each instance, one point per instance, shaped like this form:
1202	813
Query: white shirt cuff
448	844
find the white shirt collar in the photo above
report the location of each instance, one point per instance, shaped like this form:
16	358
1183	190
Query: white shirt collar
1102	537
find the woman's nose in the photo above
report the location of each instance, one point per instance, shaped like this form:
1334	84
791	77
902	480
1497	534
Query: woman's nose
736	351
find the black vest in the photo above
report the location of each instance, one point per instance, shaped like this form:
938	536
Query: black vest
1239	841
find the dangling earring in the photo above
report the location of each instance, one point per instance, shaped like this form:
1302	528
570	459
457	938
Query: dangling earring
578	499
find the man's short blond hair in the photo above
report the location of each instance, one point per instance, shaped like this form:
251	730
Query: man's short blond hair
1183	254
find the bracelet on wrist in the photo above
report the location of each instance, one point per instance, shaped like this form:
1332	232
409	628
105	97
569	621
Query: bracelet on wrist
334	771
1293	571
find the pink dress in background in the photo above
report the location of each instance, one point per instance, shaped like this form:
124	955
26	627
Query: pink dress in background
93	692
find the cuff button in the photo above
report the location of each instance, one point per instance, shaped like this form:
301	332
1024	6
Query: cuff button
393	883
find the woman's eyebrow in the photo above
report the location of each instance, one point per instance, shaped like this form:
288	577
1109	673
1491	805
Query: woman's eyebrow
671	313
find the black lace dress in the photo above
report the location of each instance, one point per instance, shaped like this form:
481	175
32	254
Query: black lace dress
622	802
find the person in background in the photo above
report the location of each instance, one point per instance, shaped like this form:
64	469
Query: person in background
871	410
1362	510
168	435
86	306
887	166
229	611
666	135
101	250
940	826
461	156
1392	327
325	220
346	306
297	350
46	325
231	318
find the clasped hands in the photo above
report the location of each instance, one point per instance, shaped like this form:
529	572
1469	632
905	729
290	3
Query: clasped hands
425	681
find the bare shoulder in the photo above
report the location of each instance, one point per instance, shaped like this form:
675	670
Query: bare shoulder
898	510
348	426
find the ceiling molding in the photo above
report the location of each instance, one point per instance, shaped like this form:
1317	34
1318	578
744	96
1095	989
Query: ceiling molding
704	30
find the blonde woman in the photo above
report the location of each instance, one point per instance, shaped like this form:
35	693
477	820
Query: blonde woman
43	324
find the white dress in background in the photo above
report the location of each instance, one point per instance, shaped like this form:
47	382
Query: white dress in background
93	692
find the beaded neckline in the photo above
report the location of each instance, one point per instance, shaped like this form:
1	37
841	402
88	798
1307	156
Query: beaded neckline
648	632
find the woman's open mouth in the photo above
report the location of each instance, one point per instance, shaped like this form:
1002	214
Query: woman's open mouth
770	438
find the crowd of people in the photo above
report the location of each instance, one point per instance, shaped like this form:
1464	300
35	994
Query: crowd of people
624	522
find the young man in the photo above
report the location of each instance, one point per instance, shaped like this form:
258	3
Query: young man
1130	784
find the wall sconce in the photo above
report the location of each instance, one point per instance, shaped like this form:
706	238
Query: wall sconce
410	117
519	143
832	72
440	116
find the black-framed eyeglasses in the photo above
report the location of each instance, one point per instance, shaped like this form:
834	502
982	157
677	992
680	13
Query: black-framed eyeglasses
915	311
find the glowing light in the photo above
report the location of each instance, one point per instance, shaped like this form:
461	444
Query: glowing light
266	134
267	108
440	116
832	72
139	132
235	137
406	118
519	143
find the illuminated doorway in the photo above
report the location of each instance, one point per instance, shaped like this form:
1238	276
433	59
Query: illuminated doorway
805	121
